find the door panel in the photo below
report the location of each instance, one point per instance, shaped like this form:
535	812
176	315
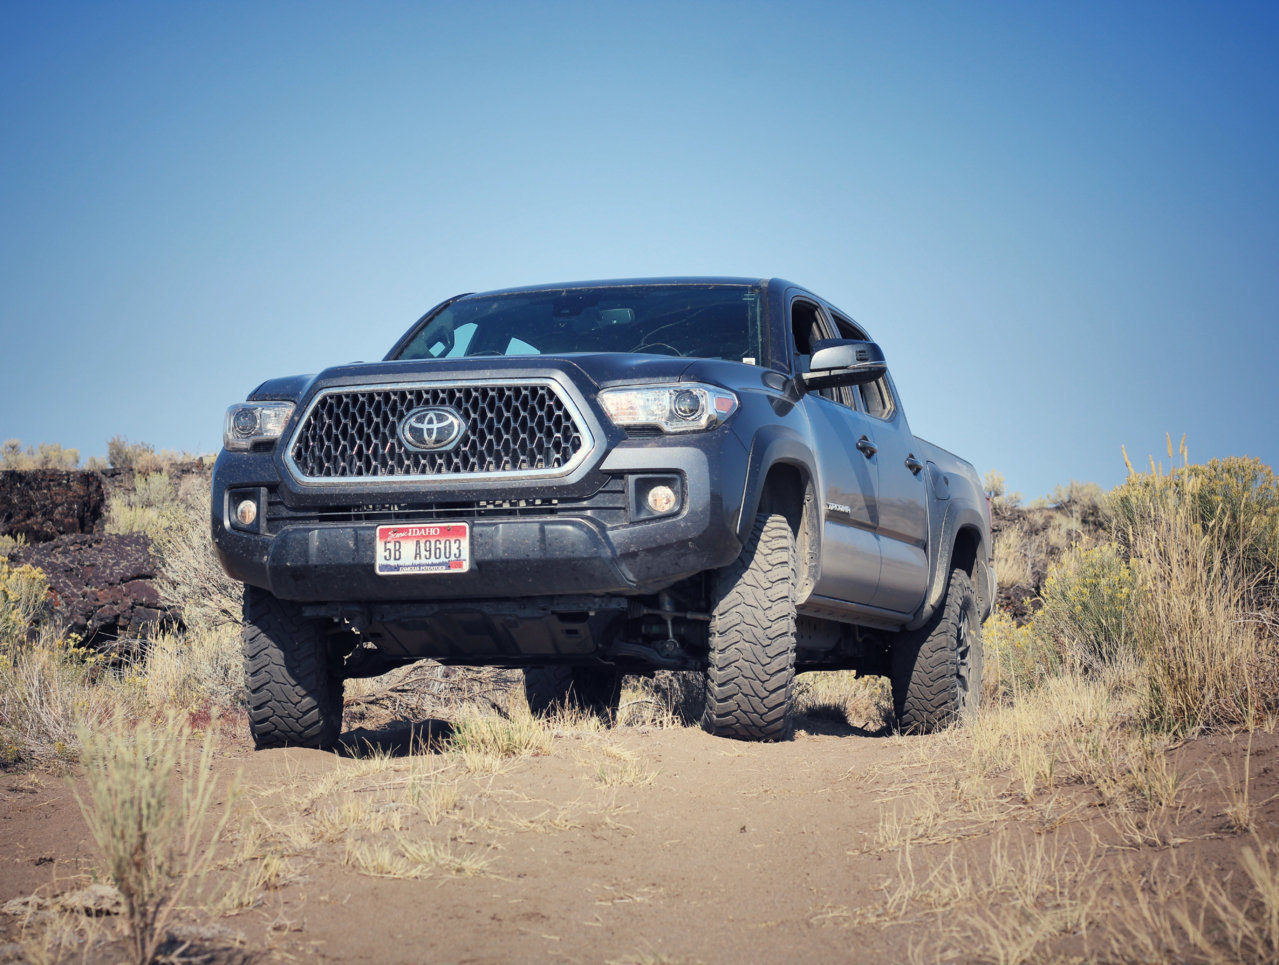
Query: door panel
903	519
850	568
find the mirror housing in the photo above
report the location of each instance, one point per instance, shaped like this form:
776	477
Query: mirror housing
844	362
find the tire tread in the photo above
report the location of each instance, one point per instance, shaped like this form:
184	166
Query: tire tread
750	670
294	694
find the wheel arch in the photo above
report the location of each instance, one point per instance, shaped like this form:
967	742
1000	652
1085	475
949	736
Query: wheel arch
780	479
960	546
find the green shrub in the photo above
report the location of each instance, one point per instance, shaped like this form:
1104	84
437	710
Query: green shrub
1088	597
1233	503
1000	499
137	456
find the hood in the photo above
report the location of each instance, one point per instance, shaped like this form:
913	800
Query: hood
587	369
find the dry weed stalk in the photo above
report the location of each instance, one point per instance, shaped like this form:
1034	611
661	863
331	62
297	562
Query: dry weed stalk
1206	922
158	842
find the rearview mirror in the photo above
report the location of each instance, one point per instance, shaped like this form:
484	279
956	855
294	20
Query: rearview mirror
844	362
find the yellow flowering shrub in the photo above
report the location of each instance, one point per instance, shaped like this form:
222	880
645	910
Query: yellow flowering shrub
24	594
1088	603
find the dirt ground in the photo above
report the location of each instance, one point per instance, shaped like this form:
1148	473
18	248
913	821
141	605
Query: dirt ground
664	845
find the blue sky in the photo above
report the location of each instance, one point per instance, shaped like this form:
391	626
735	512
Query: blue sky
1060	220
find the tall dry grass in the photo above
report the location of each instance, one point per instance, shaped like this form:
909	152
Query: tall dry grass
1204	541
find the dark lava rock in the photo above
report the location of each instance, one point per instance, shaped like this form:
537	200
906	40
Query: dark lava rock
1018	601
104	587
42	504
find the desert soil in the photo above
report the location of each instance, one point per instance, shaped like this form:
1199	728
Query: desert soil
665	845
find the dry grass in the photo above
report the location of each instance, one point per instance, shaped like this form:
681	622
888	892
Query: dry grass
843	695
619	767
1014	553
191	576
49	691
487	743
406	857
1229	919
203	666
666	699
1206	661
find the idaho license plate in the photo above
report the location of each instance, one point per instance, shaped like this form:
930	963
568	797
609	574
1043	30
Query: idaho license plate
429	548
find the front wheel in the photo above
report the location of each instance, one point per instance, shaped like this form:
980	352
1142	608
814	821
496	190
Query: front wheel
750	671
936	670
295	691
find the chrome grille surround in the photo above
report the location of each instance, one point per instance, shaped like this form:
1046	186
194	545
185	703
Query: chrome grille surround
526	428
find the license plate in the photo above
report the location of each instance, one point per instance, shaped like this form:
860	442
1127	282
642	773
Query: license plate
444	548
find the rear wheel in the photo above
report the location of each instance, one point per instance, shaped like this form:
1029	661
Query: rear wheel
590	690
750	672
294	688
936	670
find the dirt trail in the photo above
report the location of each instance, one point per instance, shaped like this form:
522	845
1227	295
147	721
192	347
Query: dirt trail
733	853
635	846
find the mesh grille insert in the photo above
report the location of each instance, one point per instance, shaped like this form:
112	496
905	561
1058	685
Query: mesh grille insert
353	433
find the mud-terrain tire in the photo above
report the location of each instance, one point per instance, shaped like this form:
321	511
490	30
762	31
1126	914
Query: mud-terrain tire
589	690
750	671
295	691
936	670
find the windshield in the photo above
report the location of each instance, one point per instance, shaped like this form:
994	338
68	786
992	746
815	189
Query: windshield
694	321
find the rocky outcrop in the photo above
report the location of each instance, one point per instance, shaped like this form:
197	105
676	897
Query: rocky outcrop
104	587
43	504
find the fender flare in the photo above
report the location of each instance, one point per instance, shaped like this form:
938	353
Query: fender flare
956	518
771	446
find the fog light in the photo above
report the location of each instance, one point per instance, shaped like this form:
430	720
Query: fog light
246	512
660	499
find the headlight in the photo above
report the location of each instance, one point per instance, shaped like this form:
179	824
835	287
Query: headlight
249	423
682	407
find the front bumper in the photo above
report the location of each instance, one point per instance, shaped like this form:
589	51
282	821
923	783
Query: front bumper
323	561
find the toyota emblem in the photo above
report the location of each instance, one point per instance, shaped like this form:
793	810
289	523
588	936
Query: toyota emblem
432	428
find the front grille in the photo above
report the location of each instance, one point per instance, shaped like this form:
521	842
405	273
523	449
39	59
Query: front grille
606	506
527	428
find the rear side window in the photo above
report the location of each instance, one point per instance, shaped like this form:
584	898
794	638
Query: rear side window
877	398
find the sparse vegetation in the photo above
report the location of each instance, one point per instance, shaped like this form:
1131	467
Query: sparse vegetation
141	457
191	576
1155	622
47	455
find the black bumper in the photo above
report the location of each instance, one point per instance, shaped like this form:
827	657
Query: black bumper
529	556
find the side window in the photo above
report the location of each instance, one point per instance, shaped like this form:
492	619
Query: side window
878	399
807	328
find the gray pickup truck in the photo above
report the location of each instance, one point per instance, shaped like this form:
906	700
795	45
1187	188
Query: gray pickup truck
594	479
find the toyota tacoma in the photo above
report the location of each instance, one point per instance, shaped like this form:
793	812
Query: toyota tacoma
604	478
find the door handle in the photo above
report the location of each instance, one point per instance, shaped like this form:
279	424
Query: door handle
866	447
913	464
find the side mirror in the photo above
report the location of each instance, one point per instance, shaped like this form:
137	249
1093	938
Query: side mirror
844	362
